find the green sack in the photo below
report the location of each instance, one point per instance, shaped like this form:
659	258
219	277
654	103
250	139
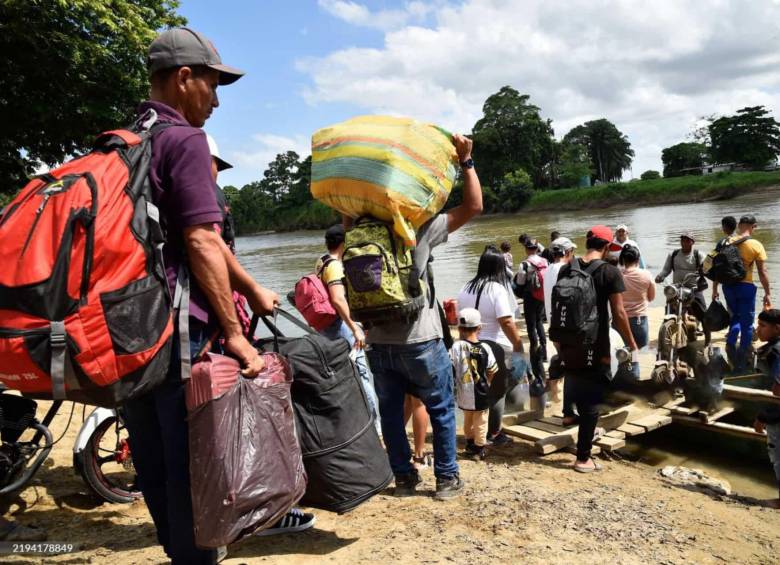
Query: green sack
383	284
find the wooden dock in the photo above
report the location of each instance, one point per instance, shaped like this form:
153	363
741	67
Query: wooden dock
549	435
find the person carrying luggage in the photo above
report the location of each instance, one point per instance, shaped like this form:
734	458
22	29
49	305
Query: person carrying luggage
330	270
410	356
185	72
739	289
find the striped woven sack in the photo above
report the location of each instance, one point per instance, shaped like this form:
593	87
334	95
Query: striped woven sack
395	169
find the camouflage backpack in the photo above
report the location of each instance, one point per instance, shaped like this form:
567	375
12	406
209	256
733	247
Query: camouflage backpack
383	284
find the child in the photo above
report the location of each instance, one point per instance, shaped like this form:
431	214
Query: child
768	362
474	367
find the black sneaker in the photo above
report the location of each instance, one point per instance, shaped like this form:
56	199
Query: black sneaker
500	440
472	449
448	487
294	521
406	485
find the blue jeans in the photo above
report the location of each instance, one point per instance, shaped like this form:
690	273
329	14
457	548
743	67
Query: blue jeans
741	301
159	441
423	370
640	329
339	329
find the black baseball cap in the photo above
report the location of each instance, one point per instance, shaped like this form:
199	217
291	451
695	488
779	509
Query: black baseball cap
335	235
183	47
749	220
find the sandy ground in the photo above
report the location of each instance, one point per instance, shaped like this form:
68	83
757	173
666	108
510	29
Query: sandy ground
517	505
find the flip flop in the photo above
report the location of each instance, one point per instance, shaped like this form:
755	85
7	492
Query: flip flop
596	467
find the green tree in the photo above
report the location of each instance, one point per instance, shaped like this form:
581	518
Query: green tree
751	137
512	135
682	156
574	163
650	175
280	176
609	149
514	191
299	192
70	69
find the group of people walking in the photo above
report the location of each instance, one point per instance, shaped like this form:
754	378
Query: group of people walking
481	372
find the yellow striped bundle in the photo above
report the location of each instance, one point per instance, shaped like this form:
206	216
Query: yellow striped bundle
395	169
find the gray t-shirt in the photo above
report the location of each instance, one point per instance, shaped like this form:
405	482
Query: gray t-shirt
428	324
683	265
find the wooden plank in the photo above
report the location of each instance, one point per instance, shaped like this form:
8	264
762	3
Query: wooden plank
674	403
631	430
539	425
720	427
652	422
555	420
617	434
610	443
556	442
683	410
613	419
531	434
745	393
521	417
708	418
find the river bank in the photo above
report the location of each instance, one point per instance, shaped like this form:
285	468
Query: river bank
517	505
688	189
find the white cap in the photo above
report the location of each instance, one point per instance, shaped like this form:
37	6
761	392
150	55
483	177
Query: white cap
469	318
564	243
214	151
622	227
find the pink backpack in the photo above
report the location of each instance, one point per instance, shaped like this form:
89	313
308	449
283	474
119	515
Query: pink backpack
312	299
537	281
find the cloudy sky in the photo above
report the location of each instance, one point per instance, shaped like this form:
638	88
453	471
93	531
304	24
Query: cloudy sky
652	68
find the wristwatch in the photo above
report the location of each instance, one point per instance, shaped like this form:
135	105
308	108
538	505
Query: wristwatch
467	164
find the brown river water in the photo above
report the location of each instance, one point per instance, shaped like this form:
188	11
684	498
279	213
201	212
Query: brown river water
279	260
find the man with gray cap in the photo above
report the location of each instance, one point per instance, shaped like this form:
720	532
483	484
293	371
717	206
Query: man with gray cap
185	71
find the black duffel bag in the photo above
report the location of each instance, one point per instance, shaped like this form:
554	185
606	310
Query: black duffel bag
343	456
716	317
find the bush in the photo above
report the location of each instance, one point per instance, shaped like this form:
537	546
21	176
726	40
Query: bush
650	175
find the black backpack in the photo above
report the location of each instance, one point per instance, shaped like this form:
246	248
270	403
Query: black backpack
575	315
724	265
343	456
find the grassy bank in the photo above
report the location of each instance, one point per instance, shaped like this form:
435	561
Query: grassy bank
660	191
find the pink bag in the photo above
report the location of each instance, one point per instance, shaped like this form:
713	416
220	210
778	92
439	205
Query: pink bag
313	302
246	468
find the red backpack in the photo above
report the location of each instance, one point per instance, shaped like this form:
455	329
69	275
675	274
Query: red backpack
313	301
85	310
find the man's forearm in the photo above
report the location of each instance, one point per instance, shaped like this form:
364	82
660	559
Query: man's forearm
342	309
210	270
624	329
763	276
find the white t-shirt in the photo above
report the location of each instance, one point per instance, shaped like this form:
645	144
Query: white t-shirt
494	302
550	278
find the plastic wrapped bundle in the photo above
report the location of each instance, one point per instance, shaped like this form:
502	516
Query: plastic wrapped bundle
395	169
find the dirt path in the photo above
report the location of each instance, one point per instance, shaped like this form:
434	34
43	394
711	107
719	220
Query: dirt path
517	506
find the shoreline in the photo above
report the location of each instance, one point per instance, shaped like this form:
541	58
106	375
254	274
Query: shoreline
517	505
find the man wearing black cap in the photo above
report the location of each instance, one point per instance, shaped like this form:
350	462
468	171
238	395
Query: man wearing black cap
185	71
741	296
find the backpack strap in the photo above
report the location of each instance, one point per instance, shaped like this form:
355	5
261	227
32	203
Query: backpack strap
697	256
61	367
675	253
326	260
593	267
181	304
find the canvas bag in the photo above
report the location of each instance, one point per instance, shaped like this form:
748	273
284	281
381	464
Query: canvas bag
383	283
724	265
345	461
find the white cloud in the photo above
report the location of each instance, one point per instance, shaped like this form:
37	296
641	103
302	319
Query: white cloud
359	14
653	69
254	160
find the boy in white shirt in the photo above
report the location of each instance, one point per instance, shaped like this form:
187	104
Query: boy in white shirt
474	367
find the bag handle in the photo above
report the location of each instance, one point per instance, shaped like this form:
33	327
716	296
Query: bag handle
272	325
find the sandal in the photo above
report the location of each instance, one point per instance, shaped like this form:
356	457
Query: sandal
596	467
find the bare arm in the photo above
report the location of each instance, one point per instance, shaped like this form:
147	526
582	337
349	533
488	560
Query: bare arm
763	276
509	328
621	319
651	291
666	270
338	300
472	189
209	268
715	293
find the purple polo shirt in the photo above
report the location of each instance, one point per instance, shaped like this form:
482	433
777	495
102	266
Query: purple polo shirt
183	189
